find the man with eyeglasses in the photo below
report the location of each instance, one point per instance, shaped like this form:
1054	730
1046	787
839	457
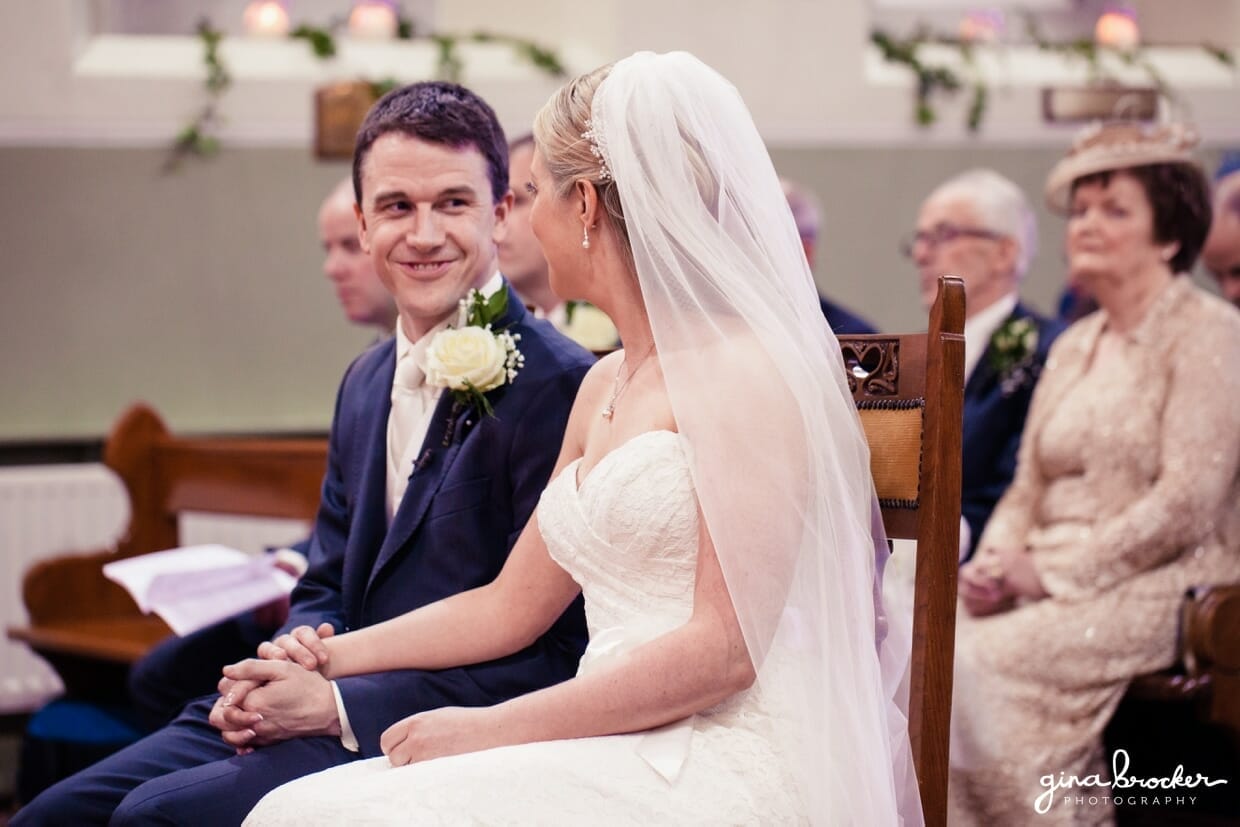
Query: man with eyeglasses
979	226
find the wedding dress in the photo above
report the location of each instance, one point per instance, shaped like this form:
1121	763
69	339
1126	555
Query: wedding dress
628	534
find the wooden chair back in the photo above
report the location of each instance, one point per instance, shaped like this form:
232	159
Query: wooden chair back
909	391
80	620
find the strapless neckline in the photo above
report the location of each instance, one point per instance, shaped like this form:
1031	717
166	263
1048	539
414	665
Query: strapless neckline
574	467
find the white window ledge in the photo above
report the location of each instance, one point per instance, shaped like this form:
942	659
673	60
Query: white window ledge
1183	68
169	57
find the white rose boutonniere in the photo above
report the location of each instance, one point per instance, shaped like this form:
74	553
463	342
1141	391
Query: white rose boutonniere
472	359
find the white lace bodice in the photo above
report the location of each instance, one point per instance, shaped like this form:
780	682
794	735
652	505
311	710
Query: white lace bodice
628	534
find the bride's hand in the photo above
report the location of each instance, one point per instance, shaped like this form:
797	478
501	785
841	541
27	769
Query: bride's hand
449	730
304	646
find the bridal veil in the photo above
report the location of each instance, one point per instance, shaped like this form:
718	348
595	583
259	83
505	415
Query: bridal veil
779	460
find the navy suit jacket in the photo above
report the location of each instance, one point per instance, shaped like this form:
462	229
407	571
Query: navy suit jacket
994	418
842	320
471	492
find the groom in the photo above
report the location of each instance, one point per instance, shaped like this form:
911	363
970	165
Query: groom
423	496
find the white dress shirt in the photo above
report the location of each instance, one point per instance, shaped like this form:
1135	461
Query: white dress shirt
413	403
979	327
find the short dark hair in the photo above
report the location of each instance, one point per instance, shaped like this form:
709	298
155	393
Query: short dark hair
1179	197
440	113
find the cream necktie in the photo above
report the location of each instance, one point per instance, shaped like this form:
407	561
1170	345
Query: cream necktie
404	421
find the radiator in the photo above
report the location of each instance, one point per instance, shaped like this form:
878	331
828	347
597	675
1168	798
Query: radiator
48	510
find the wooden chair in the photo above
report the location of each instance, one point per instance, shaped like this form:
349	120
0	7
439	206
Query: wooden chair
1208	670
1189	714
88	627
909	390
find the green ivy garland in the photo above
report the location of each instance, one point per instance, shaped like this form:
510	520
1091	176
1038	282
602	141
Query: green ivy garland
933	81
196	139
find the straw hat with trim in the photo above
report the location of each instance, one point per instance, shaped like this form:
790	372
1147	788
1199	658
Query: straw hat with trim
1118	145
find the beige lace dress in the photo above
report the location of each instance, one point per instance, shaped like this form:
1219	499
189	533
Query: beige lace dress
1127	492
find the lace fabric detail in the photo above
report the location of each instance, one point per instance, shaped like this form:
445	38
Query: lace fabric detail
627	533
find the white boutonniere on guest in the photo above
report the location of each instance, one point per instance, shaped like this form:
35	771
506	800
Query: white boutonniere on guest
472	358
1012	350
589	327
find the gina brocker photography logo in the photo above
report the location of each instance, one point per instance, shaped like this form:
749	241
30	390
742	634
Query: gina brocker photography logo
1132	790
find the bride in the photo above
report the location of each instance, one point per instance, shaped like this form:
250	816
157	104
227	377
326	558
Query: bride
712	501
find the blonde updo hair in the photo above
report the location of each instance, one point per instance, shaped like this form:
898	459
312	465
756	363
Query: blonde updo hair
558	129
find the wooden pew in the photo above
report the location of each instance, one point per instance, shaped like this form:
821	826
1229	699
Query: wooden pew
1189	714
87	627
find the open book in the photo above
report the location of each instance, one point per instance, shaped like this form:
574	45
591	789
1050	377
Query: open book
195	586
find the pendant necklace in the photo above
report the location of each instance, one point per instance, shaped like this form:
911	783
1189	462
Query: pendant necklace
618	386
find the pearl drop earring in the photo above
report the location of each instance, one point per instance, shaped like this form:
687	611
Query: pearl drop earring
585	238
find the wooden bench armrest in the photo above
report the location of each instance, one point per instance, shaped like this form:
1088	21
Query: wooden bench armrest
77	612
1211	630
72	588
1209	652
118	640
87	627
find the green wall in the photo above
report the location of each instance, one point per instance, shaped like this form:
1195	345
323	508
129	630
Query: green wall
201	291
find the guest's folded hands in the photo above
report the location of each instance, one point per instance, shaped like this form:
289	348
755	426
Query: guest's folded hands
983	585
1020	577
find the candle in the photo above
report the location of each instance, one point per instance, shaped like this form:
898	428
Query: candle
981	26
266	18
373	19
1117	28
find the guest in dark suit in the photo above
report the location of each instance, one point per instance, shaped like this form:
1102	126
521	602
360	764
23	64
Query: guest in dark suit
808	217
1222	251
979	226
423	498
180	669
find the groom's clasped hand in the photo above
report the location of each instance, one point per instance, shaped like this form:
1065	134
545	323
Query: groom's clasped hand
282	694
268	699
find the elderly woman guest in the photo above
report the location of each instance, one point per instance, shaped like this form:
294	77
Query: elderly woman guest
1125	493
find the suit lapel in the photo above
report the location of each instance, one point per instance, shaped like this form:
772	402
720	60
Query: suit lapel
369	519
429	471
448	424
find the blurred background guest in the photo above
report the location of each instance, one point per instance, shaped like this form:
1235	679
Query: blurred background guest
362	297
1125	496
1221	255
979	226
807	213
520	258
522	263
1075	303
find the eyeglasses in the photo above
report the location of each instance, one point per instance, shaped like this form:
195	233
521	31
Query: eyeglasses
942	234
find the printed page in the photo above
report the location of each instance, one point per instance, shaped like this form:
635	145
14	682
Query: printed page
195	586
